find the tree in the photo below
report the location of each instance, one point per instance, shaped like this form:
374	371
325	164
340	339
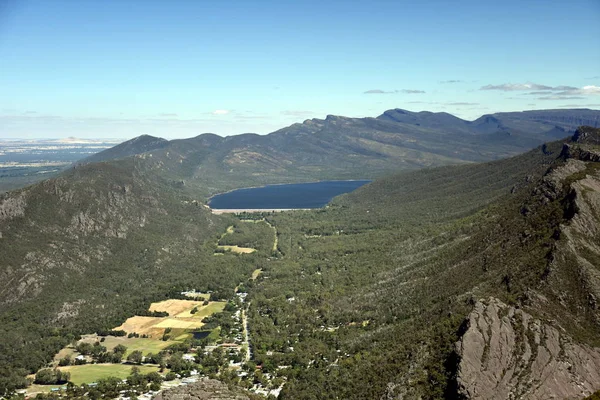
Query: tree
120	349
45	376
48	376
135	357
84	348
65	361
154	377
170	376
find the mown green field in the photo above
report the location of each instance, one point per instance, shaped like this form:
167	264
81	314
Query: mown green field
145	345
212	308
92	372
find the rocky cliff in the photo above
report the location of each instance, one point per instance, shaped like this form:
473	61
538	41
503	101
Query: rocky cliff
547	348
505	353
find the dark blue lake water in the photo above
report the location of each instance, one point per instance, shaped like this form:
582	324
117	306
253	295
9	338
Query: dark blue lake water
296	195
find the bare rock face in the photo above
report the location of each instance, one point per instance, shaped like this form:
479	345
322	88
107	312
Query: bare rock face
204	389
11	207
505	353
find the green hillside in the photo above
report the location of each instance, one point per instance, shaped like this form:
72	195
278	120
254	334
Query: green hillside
348	148
362	299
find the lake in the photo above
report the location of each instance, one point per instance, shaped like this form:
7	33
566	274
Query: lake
287	196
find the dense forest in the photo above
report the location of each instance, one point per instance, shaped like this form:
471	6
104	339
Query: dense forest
361	299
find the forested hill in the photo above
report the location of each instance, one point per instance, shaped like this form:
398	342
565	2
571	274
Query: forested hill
138	145
350	148
474	282
383	293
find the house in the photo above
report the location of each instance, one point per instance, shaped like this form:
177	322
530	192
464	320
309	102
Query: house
189	357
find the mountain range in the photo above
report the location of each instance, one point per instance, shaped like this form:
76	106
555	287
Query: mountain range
350	148
477	280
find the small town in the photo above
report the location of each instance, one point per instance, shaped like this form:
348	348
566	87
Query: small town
202	339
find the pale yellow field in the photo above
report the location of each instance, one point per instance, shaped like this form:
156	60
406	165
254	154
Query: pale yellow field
142	325
182	323
256	273
203	296
238	249
180	320
174	307
180	317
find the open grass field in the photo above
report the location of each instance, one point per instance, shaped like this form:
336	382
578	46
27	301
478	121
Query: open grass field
35	388
66	351
180	317
92	372
237	249
143	326
256	273
145	345
181	321
233	249
174	307
204	311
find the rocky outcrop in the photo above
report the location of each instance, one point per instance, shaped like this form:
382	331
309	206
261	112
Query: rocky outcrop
12	206
505	353
202	390
580	153
584	145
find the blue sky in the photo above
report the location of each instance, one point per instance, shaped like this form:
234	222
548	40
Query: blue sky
121	68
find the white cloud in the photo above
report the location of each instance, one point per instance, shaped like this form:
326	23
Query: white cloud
220	112
579	105
510	87
561	92
406	91
298	113
561	98
412	91
590	89
378	91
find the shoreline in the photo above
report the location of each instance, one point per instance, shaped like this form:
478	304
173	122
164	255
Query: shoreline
280	184
251	210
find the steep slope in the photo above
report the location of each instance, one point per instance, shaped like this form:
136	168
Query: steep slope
506	353
388	279
138	145
84	251
544	359
365	298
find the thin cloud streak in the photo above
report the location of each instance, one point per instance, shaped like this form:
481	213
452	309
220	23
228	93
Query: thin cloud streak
511	87
297	113
405	91
561	98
